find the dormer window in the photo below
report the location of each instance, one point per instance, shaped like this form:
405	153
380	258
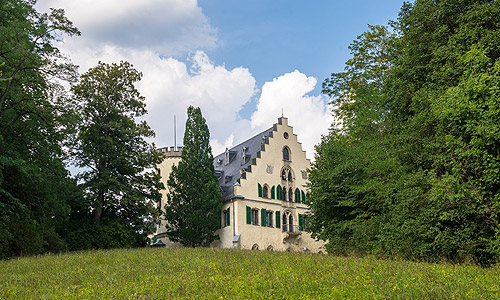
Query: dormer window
286	153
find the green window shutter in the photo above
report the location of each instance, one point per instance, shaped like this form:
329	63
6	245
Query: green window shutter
297	195
228	216
278	219
272	193
260	189
301	222
279	193
249	215
303	196
263	220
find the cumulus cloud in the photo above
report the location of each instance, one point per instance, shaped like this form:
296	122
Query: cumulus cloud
149	34
309	115
168	27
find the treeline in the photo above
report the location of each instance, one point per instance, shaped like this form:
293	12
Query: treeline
43	126
412	168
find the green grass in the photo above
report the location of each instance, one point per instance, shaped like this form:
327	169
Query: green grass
236	274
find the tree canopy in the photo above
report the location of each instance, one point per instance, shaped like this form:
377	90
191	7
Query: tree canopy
119	177
192	212
35	120
413	171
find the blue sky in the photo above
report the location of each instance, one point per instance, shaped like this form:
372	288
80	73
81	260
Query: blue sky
275	37
242	62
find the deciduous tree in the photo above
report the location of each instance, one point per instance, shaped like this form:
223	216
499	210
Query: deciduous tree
119	176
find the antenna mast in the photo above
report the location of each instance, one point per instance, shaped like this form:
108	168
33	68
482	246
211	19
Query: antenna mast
175	135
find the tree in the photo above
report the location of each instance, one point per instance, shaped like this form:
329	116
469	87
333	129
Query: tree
414	171
35	118
192	212
119	180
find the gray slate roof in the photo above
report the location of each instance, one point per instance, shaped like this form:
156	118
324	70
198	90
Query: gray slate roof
230	174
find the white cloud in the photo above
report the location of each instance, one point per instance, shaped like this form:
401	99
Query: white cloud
149	33
168	27
309	115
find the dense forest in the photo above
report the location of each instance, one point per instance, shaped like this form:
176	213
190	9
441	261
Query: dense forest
44	126
412	166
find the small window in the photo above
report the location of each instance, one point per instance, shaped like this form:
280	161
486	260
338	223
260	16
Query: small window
285	135
286	153
227	217
255	217
265	191
269	219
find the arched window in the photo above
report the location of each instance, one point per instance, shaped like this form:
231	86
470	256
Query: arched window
284	194
259	189
290	195
297	195
279	192
283	175
265	191
287	222
290	178
286	153
303	196
273	193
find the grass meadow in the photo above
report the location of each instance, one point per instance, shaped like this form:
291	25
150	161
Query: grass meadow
206	273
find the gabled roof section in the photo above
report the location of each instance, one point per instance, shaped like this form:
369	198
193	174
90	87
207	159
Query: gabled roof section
242	157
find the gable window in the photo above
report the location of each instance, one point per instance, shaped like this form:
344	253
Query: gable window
269	218
255	216
290	195
286	153
265	191
287	222
279	192
297	195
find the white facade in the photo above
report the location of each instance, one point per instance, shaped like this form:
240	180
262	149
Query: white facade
251	175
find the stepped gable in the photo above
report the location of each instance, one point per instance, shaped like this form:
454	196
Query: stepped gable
230	174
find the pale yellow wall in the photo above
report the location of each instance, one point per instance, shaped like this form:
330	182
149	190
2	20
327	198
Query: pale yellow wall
263	236
165	167
266	236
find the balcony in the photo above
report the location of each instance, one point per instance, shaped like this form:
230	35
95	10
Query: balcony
291	229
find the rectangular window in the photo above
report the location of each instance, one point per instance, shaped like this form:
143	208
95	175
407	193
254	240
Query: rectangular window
269	218
255	217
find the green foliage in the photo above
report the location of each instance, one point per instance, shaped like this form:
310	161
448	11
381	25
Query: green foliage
414	171
119	180
203	273
192	212
109	233
35	119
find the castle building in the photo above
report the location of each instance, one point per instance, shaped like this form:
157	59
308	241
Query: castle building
263	185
